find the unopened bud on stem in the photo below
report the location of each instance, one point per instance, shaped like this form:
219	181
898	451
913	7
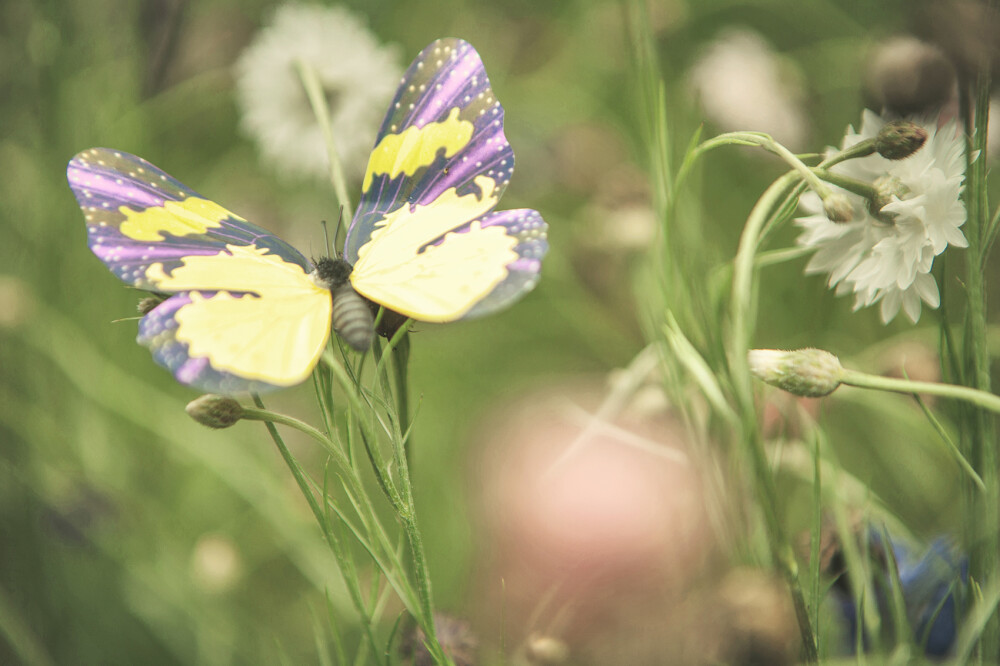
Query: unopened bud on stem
215	411
810	373
888	188
838	207
900	139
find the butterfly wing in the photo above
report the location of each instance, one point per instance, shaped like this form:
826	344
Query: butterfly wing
423	241
138	216
225	342
245	315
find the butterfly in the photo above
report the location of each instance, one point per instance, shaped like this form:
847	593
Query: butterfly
245	311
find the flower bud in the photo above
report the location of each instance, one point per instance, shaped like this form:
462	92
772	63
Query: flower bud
888	188
215	411
838	207
810	373
899	139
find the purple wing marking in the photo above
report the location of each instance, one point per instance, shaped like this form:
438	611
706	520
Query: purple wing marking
158	332
530	230
447	75
104	181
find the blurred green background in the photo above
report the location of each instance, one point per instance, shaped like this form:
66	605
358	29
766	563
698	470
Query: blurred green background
128	534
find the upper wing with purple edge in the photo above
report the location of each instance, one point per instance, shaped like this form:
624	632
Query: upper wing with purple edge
139	217
443	134
424	241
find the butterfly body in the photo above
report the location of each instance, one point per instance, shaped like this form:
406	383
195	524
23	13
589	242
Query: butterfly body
352	316
244	310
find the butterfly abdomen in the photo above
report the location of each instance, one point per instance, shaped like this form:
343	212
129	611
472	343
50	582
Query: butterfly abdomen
352	318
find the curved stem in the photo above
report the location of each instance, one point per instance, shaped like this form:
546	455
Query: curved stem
853	185
774	200
251	414
767	143
739	341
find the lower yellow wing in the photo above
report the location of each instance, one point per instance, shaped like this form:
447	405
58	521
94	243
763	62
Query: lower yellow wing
268	334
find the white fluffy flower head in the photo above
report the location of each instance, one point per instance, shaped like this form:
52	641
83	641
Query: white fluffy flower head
358	74
743	84
888	261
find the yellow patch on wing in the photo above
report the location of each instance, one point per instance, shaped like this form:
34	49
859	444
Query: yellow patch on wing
274	339
444	281
417	147
239	268
189	216
274	334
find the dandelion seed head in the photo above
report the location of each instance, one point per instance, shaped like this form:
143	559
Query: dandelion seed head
358	75
743	84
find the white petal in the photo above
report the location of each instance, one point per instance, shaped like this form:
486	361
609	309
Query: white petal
926	287
911	306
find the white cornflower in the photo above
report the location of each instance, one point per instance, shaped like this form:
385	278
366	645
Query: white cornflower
887	260
742	84
358	74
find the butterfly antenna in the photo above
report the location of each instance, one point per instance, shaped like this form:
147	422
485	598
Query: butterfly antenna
340	223
326	235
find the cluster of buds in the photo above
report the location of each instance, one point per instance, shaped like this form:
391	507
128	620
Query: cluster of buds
896	140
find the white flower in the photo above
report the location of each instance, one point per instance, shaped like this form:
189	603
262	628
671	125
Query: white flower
358	75
888	261
743	84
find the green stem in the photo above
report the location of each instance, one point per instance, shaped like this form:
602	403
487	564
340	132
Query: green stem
982	399
399	348
267	416
775	199
344	561
314	91
743	272
861	188
409	520
741	327
367	434
767	143
401	497
860	149
964	393
981	436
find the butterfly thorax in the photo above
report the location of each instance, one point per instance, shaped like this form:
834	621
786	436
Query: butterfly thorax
331	273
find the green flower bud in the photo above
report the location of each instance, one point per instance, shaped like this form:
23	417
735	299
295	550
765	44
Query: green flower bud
899	139
215	411
838	208
810	373
888	188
